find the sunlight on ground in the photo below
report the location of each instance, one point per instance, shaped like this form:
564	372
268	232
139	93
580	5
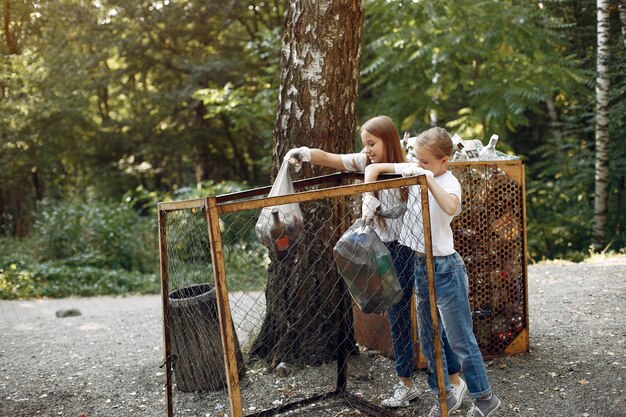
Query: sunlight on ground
611	258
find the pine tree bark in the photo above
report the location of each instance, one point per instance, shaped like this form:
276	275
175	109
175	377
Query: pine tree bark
316	108
600	210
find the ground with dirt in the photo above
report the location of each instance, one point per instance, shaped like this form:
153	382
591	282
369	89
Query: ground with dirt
106	362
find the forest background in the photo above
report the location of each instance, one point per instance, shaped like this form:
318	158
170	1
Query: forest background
107	107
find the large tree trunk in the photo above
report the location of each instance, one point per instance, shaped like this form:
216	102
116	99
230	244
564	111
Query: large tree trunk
601	196
316	108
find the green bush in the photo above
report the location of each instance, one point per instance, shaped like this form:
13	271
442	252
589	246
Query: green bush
58	280
87	248
96	234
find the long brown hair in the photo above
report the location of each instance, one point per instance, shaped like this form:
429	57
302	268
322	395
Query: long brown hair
383	127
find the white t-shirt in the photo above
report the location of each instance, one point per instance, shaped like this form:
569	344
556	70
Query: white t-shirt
356	162
412	234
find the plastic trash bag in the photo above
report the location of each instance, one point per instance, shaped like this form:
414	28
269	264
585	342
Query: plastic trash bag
365	264
279	227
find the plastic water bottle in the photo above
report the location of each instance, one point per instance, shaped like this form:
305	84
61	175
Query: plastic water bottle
488	153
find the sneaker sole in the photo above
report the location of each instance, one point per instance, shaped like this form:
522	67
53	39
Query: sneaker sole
404	403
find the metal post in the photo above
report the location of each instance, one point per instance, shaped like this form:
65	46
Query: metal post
165	303
223	308
434	315
344	303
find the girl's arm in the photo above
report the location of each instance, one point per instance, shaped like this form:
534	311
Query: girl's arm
370	203
327	159
449	203
372	171
315	156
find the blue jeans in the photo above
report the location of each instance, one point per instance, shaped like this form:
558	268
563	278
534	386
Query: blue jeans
455	322
399	314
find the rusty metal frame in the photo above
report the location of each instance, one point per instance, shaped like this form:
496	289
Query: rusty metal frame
250	199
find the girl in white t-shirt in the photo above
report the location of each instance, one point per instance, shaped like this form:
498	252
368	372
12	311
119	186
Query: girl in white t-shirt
433	150
381	144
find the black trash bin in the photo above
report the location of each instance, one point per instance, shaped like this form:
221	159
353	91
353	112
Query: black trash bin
196	341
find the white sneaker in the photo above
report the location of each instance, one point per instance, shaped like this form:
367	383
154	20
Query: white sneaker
459	391
401	396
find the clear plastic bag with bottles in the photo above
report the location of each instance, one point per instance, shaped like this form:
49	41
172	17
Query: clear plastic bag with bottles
365	264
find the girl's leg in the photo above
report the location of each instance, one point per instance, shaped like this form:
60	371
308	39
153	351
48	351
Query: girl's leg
452	360
400	314
454	308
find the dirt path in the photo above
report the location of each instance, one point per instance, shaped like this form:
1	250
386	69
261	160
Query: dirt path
105	362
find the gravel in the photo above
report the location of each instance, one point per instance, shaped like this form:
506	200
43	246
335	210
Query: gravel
106	361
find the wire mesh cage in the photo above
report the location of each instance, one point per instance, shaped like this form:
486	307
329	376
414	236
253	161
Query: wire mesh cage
255	328
490	235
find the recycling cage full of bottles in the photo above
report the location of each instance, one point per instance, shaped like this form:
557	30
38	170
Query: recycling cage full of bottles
490	236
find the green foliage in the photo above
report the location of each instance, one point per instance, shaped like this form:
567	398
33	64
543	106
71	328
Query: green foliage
95	234
24	275
57	281
100	98
476	69
561	167
558	195
524	70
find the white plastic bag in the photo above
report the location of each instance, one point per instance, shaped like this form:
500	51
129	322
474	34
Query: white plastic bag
365	264
279	227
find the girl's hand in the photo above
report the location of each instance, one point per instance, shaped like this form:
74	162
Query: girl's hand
369	208
296	156
414	170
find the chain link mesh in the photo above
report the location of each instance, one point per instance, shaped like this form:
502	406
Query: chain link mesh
293	321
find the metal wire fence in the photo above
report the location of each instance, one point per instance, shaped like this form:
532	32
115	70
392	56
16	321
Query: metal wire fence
251	330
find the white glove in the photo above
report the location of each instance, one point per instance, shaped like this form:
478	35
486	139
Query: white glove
369	207
414	170
296	156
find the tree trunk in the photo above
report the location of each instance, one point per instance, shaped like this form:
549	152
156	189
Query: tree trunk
10	38
202	157
37	185
316	108
601	196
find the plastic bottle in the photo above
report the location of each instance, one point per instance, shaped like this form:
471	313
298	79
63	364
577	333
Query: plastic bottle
280	236
488	153
383	264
